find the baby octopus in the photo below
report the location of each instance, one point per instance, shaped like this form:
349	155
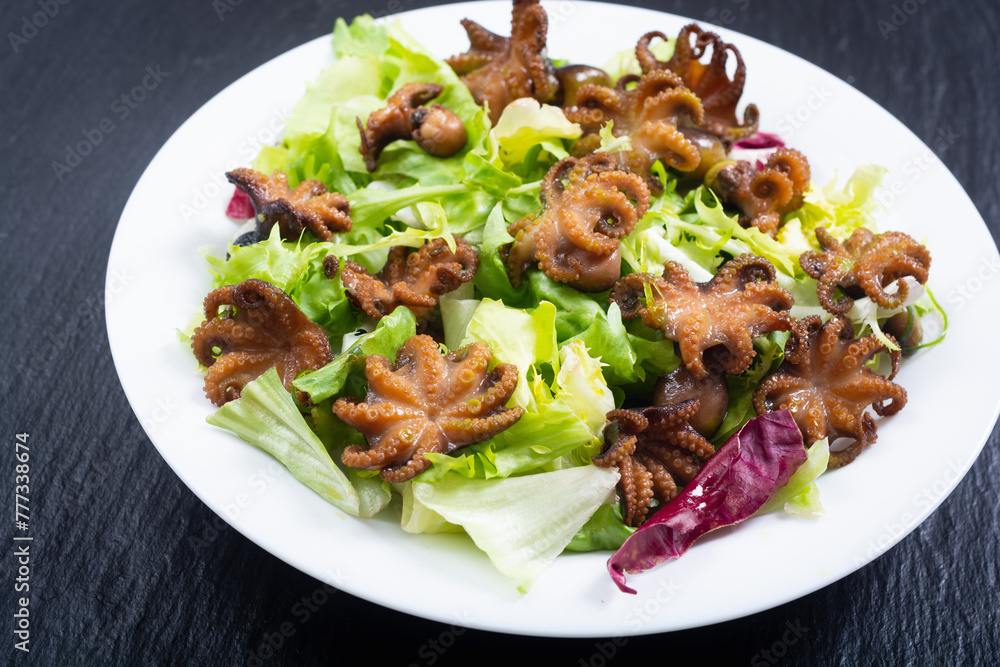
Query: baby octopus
309	206
866	264
709	81
414	279
649	113
587	207
437	130
654	449
740	302
260	327
826	385
499	70
763	195
427	402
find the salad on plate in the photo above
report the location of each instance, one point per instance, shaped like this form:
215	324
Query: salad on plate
554	306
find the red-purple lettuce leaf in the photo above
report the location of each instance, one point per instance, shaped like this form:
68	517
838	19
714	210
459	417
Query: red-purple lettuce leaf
239	206
739	478
761	140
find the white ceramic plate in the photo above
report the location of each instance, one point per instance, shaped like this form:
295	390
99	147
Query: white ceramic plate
157	279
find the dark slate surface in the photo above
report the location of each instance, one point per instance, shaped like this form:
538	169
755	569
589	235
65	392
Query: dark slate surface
114	579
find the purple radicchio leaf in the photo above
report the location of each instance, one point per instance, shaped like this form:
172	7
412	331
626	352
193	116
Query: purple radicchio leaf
732	485
761	140
239	206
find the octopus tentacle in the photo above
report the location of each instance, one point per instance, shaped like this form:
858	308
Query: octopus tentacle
256	326
450	401
871	262
498	70
763	196
308	206
719	94
574	236
738	304
647	61
653	450
826	384
413	279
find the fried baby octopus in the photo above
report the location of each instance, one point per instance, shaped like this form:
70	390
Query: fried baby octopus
498	70
309	206
653	449
763	196
867	263
740	302
826	385
427	402
587	207
650	113
709	81
259	327
414	279
437	130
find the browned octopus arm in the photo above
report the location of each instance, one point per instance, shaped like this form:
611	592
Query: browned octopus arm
865	265
741	302
826	385
587	207
437	130
427	402
654	449
499	70
258	327
763	196
709	81
309	206
415	279
649	110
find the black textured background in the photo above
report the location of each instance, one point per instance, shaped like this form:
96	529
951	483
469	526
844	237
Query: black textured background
111	581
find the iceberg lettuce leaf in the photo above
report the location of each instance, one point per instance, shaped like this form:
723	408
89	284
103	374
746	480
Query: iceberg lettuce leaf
522	523
265	415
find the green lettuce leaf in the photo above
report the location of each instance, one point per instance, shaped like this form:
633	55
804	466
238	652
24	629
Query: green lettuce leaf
604	531
295	268
265	415
346	373
518	337
800	495
840	210
525	123
522	523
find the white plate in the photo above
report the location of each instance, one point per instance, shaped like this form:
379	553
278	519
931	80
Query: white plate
157	279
